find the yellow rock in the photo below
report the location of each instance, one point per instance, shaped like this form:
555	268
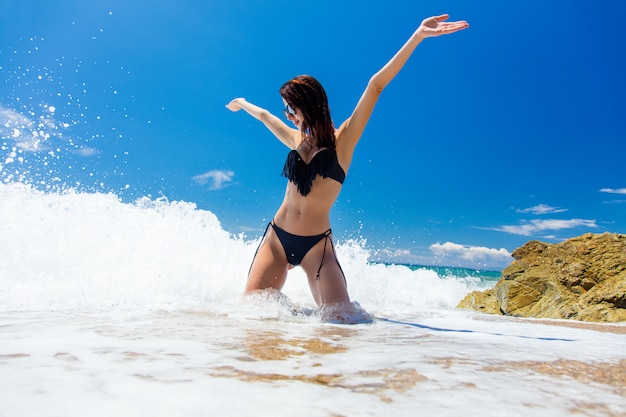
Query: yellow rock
583	278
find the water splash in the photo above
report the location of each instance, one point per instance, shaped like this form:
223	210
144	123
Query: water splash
64	250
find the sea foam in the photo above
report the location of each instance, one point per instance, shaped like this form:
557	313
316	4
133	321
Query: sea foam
66	250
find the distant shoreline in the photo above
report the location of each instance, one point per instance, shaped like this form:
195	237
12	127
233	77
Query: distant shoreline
449	270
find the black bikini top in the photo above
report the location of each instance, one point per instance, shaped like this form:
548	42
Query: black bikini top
323	163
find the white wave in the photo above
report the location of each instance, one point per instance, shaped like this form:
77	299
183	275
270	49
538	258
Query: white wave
76	250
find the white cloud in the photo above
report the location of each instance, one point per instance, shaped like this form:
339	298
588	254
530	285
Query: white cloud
613	190
86	151
29	134
12	123
217	179
448	254
529	228
470	253
541	209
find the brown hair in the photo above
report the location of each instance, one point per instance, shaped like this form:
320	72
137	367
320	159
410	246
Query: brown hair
307	94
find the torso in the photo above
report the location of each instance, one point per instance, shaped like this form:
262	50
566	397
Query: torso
309	214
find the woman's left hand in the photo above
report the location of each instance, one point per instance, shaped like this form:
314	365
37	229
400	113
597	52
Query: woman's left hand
437	26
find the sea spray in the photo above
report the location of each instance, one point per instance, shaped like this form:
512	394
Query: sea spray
71	250
89	250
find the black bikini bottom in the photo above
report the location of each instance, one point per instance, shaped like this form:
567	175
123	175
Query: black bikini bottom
296	247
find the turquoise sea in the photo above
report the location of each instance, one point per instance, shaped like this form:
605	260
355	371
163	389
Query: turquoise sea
458	272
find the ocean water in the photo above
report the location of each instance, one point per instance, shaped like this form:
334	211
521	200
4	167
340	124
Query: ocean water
111	308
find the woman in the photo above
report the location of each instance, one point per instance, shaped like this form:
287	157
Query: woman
316	166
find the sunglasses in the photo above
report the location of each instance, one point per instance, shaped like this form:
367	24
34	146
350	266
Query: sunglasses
289	112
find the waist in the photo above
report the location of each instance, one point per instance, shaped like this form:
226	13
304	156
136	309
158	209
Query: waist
302	222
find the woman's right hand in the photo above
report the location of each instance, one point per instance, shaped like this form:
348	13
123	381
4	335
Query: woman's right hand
235	104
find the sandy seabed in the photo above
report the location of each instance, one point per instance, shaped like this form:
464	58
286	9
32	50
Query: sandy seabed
195	363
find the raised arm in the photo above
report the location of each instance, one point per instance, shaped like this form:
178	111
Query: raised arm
351	130
284	133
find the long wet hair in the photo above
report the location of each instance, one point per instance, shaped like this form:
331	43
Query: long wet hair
307	94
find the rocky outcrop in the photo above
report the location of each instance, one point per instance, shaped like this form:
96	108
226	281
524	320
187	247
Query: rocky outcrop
583	278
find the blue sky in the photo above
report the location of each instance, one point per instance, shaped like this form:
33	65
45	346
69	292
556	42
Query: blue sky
509	131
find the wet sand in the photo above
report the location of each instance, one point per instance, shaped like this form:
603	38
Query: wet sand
617	328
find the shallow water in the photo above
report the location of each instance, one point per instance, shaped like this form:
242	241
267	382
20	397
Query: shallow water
200	362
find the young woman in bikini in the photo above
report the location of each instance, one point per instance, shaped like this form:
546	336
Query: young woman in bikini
316	166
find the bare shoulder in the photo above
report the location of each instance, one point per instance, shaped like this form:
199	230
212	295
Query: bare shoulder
341	133
344	145
293	138
296	138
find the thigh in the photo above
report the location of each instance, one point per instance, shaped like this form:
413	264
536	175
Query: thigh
269	266
330	287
